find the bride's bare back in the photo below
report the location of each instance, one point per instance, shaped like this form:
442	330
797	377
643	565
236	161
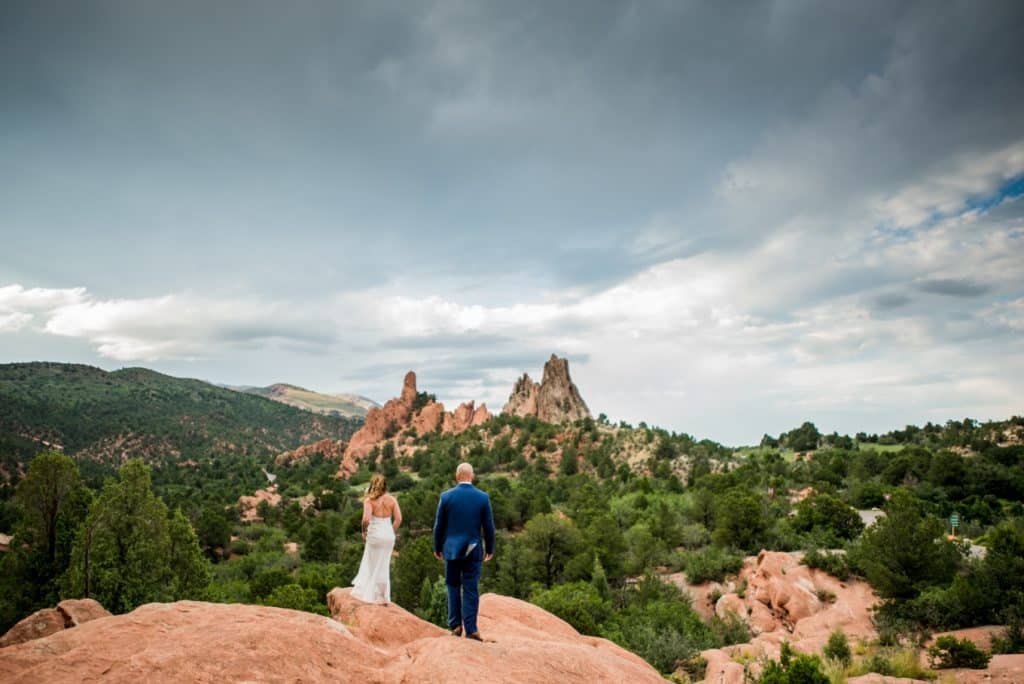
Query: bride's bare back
384	506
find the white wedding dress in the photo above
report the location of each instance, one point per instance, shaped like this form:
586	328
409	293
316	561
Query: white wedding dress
373	582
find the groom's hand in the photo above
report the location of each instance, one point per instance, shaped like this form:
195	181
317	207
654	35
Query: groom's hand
488	557
437	555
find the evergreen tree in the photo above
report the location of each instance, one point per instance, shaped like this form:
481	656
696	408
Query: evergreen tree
122	555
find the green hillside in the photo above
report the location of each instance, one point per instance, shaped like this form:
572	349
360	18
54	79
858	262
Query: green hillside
135	412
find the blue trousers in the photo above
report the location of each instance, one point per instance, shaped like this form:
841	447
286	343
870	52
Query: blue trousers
462	578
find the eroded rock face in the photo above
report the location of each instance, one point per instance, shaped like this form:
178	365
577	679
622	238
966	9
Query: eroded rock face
392	420
555	400
248	505
193	641
786	601
330	449
42	623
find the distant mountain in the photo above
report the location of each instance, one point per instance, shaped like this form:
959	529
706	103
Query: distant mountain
136	412
344	405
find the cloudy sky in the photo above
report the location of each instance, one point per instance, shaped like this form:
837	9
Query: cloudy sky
730	217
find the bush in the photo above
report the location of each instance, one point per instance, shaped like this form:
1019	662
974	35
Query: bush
835	564
1012	638
296	598
578	603
801	669
948	651
264	584
711	564
838	648
900	663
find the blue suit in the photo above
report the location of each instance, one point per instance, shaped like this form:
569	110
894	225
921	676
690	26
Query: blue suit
463	513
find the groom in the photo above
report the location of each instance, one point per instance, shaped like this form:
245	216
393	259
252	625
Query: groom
462	513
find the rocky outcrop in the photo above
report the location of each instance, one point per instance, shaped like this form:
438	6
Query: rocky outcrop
554	400
330	449
207	642
42	623
781	600
397	416
248	505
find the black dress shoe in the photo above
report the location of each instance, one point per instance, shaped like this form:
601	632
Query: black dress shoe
475	636
457	632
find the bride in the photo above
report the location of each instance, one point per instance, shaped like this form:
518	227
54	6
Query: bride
381	518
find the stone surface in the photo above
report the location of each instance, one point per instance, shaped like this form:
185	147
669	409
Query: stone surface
68	613
330	449
247	505
554	400
1002	669
37	625
979	636
205	642
77	611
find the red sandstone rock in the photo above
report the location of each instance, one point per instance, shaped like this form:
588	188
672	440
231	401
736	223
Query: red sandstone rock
979	636
555	400
721	668
37	625
330	449
205	642
1002	669
390	422
730	603
77	611
248	504
465	417
429	418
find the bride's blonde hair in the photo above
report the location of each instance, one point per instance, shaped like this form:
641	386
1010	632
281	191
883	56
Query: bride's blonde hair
378	487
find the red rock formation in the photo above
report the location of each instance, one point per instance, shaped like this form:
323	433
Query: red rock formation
391	421
68	613
331	449
429	418
248	504
193	641
382	423
783	601
555	400
465	417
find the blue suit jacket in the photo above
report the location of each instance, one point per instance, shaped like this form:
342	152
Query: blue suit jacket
462	513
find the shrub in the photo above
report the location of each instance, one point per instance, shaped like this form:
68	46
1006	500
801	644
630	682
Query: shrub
1012	638
296	598
903	662
838	648
790	669
948	651
711	564
834	564
578	603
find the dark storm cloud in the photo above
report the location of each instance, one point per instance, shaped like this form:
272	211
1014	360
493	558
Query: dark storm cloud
808	167
891	300
954	287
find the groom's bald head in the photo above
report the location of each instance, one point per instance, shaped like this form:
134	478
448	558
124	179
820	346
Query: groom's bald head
464	473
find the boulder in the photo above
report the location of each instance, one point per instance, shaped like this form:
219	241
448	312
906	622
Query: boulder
37	625
77	611
68	613
721	668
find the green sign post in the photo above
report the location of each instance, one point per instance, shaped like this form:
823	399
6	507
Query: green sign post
954	522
